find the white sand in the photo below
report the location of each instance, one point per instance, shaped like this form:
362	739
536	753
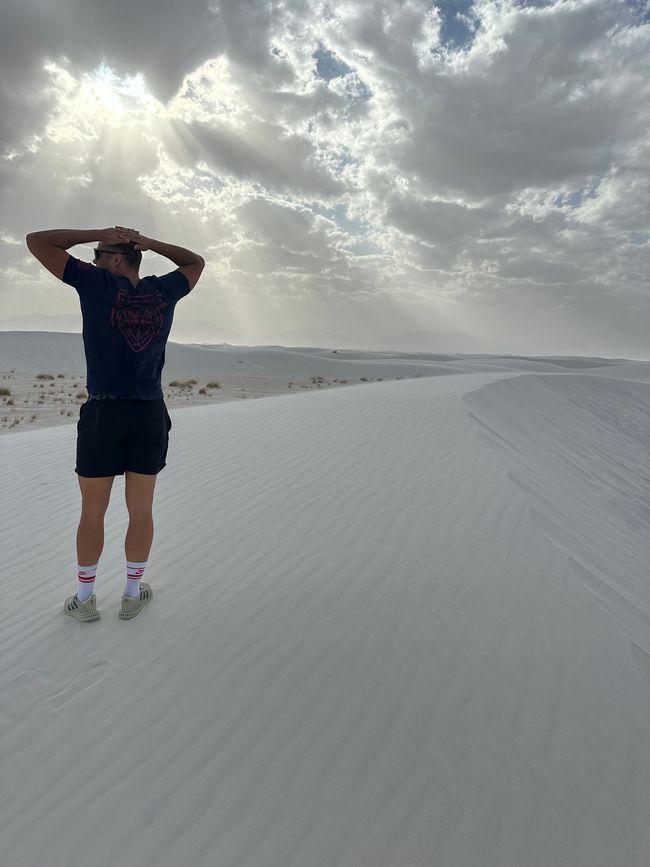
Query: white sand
45	374
404	624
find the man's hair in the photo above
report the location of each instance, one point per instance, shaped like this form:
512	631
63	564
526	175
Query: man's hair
132	256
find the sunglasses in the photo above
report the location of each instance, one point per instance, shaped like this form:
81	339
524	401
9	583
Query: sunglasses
98	253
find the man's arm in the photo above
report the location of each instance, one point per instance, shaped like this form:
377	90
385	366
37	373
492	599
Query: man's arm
189	263
50	247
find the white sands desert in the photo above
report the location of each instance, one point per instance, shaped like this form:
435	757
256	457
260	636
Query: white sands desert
397	624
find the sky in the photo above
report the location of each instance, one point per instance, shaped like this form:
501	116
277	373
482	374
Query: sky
380	174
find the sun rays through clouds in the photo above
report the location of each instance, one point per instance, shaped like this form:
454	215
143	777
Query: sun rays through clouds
360	168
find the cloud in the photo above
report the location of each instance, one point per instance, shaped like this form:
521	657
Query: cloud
534	100
264	153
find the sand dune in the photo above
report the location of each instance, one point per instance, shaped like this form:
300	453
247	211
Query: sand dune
42	375
373	640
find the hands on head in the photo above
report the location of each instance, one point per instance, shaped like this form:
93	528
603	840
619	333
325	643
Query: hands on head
122	235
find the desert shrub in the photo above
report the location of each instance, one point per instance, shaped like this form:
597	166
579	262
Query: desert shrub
5	392
213	385
44	376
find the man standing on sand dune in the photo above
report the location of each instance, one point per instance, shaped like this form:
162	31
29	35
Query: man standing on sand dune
124	425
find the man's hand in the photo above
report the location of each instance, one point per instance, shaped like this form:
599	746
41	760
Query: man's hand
132	236
115	235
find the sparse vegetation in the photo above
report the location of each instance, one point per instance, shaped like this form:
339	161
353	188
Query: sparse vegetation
44	376
213	385
5	392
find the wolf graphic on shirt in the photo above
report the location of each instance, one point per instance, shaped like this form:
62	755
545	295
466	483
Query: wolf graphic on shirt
138	318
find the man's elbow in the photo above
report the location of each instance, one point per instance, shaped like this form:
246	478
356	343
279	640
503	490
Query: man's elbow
34	238
31	240
199	265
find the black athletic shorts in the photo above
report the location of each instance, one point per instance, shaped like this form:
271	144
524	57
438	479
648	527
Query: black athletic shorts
115	435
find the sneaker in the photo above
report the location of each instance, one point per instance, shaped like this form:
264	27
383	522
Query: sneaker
132	605
85	611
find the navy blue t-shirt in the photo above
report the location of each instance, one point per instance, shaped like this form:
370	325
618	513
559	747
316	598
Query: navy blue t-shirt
125	328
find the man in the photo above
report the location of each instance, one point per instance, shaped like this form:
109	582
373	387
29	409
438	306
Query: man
124	426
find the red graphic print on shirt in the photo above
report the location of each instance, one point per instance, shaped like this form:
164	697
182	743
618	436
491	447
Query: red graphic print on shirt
138	318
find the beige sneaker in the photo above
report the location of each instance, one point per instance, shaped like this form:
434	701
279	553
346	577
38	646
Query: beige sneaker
133	605
82	610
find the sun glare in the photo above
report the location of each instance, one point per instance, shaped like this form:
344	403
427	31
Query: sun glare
121	98
98	99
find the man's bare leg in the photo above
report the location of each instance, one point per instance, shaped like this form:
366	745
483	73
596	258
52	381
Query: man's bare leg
95	497
139	536
139	502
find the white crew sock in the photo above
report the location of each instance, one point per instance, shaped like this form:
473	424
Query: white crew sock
134	573
86	581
